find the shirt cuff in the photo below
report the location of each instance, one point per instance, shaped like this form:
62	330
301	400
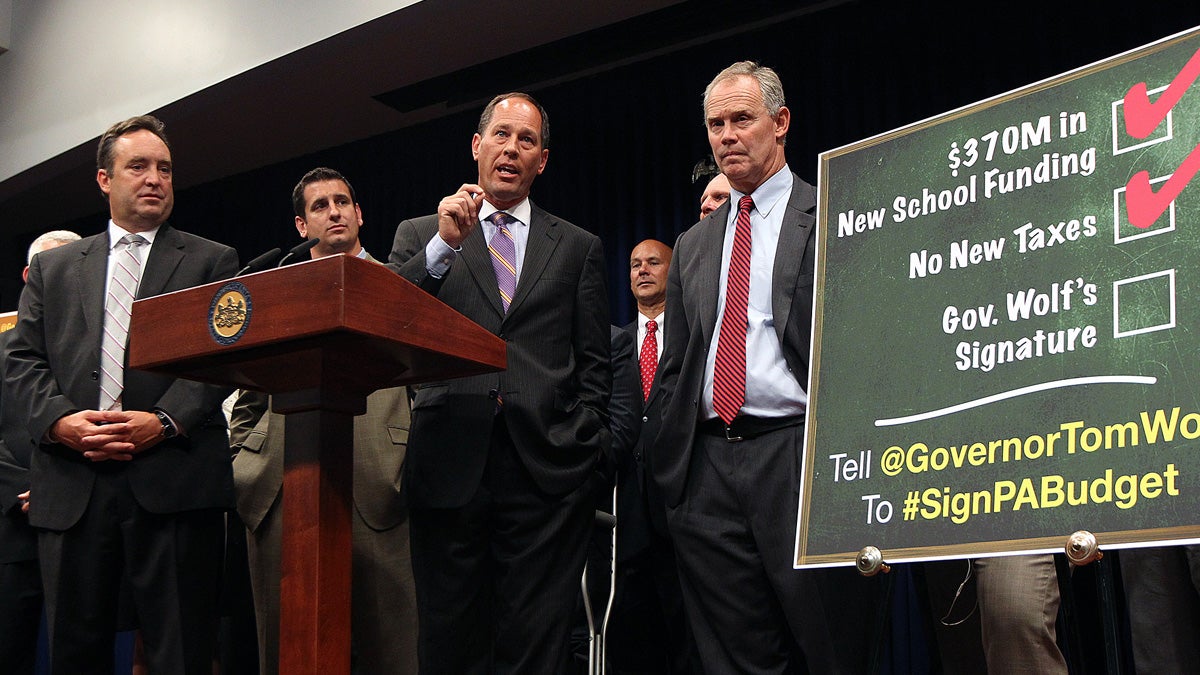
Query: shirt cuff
439	256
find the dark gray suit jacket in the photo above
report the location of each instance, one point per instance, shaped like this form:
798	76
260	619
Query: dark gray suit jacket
53	367
692	286
555	390
18	541
638	497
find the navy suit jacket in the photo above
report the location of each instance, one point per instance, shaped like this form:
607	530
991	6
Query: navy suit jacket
53	365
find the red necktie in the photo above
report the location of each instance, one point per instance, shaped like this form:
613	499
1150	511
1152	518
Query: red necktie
729	374
648	360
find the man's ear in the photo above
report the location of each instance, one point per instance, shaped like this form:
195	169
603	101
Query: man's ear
102	180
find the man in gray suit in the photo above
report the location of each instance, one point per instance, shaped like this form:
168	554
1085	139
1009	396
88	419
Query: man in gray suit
733	378
498	466
130	477
383	599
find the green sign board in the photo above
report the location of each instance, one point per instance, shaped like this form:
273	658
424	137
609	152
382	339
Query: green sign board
1006	342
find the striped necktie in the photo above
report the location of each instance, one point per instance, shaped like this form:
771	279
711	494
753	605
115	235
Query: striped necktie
122	288
504	257
729	373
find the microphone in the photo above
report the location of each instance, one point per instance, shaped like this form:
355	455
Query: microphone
297	250
260	263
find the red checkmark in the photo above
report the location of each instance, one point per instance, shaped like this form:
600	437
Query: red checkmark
1141	116
1144	205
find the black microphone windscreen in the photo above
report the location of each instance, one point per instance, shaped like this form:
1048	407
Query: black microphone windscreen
260	263
304	246
297	251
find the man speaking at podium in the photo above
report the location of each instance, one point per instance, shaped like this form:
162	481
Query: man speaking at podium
131	475
498	465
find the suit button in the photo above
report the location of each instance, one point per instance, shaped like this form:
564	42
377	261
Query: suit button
95	375
645	418
637	456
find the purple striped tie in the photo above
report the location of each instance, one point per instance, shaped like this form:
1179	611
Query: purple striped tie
504	257
729	373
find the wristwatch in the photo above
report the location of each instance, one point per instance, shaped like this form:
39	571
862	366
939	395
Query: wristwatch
168	427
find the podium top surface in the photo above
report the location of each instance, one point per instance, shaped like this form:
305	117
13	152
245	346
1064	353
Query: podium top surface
335	322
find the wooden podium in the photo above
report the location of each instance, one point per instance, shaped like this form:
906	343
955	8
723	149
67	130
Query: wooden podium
319	336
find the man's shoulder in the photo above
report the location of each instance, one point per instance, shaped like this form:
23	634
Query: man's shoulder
423	220
194	241
567	227
803	196
425	225
70	249
712	224
62	259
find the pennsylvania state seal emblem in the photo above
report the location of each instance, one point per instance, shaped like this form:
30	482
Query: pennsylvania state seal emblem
229	313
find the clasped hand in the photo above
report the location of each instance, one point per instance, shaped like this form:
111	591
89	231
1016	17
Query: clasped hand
103	435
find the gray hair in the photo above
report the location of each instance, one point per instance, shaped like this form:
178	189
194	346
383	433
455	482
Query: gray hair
57	237
768	83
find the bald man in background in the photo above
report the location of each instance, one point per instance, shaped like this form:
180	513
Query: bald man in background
648	631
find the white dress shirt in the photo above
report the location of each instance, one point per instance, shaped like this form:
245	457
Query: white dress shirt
115	232
772	390
661	320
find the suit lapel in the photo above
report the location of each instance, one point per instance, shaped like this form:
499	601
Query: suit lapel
543	238
475	255
165	256
789	254
93	277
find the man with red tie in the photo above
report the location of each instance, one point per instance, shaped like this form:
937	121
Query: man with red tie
733	377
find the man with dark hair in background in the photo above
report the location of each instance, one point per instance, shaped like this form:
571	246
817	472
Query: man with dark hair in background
383	601
499	465
20	580
131	475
